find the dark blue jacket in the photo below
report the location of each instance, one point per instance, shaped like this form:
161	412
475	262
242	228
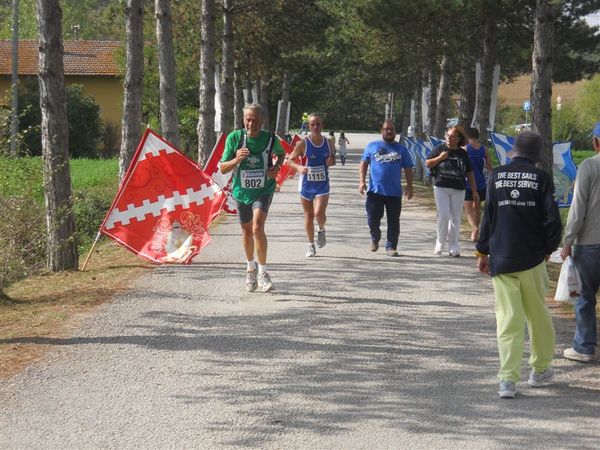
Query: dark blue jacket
521	223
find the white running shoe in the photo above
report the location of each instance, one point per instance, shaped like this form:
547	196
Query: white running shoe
321	238
264	282
251	280
311	251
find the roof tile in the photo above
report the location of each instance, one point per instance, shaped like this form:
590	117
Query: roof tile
82	57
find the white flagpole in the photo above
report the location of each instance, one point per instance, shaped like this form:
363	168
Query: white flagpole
91	250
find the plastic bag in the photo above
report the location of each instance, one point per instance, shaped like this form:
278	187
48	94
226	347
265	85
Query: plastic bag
569	282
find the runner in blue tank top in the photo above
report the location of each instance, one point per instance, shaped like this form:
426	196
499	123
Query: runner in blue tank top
314	180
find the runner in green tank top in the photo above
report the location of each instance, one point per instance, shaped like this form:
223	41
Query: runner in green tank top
248	153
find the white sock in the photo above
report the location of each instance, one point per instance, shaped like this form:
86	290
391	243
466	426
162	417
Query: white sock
261	268
251	266
322	229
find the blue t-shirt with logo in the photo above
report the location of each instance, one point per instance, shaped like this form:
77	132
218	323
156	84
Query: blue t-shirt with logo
386	161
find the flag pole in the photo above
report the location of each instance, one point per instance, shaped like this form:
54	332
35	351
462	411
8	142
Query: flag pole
91	250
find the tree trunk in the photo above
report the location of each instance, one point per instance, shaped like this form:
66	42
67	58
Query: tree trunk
418	131
443	97
488	61
432	81
206	118
166	59
14	114
541	80
227	87
238	99
405	114
283	110
61	246
264	103
467	92
131	126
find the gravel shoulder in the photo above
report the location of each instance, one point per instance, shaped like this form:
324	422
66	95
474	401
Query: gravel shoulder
352	350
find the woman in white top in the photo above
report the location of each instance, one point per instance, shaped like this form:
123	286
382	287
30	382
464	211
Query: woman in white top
343	150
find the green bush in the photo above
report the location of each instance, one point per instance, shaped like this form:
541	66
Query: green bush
588	105
567	127
188	135
22	211
85	126
22	238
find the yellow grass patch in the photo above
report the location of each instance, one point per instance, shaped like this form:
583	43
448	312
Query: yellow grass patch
518	90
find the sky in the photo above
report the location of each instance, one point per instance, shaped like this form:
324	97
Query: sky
593	19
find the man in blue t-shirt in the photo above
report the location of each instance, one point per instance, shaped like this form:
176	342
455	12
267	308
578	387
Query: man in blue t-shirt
385	159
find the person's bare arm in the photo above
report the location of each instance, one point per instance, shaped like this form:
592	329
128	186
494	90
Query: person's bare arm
431	163
298	151
409	182
362	173
240	155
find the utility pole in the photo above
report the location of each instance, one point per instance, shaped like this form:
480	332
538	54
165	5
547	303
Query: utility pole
14	123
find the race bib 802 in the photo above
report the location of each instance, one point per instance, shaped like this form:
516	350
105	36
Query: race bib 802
253	179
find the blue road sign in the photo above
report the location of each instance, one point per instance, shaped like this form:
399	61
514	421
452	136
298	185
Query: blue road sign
526	106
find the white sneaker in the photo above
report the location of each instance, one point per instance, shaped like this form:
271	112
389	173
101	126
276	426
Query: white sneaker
251	280
540	379
311	251
321	238
507	389
438	249
574	355
264	282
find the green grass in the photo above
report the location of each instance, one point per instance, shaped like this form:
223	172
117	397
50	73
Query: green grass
94	185
580	155
24	175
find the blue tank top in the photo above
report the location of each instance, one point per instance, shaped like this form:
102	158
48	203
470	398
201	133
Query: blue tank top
316	160
477	158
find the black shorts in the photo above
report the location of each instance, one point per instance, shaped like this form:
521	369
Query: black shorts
244	210
469	195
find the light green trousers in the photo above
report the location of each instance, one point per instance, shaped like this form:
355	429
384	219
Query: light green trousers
519	301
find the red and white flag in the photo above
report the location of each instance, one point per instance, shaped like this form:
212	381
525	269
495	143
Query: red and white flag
286	171
223	180
164	205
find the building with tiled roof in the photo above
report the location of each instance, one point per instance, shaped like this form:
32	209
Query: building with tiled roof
92	64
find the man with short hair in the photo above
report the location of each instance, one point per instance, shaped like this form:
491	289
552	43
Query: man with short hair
248	153
386	159
521	226
583	230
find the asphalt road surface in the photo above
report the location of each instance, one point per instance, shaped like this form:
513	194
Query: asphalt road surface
353	349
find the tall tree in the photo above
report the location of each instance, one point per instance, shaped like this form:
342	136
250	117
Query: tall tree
433	81
61	247
283	109
14	124
227	82
238	96
206	117
166	65
541	80
133	86
443	97
488	61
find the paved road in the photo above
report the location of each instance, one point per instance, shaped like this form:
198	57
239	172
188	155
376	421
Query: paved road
353	350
